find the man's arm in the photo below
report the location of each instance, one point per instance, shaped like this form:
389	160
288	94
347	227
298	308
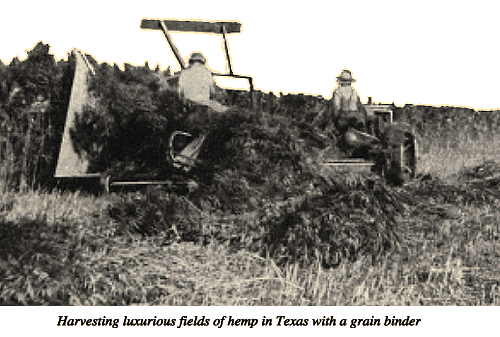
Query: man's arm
360	105
181	85
336	106
361	118
358	102
213	90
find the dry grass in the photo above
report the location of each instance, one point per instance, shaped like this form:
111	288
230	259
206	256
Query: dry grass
443	155
66	248
446	262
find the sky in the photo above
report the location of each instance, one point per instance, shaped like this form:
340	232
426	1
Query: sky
416	52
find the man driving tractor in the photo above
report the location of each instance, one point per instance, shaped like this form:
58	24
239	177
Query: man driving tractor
347	108
346	112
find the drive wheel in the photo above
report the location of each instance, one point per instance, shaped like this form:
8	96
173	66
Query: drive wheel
406	160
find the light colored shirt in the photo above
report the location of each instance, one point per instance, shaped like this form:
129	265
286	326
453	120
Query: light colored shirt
345	99
196	83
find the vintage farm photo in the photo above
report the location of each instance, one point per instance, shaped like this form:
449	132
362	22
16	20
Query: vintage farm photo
148	185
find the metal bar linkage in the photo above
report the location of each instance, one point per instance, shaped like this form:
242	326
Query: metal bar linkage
348	162
226	48
145	182
193	26
172	45
233	75
250	83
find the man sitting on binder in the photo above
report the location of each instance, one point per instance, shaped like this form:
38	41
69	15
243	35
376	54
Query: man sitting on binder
197	85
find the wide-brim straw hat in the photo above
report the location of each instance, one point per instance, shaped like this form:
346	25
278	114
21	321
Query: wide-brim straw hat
197	56
346	77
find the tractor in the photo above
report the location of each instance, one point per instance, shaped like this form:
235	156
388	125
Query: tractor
387	147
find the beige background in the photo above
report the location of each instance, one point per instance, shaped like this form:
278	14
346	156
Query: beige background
429	52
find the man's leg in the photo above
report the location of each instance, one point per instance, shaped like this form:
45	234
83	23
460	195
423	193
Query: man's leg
212	122
188	156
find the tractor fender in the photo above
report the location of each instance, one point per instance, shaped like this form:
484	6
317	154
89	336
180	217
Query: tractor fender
401	153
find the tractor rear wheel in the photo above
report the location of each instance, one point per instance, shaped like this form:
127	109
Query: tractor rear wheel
404	163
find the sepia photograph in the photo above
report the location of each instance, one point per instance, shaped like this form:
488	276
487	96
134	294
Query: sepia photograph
249	154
